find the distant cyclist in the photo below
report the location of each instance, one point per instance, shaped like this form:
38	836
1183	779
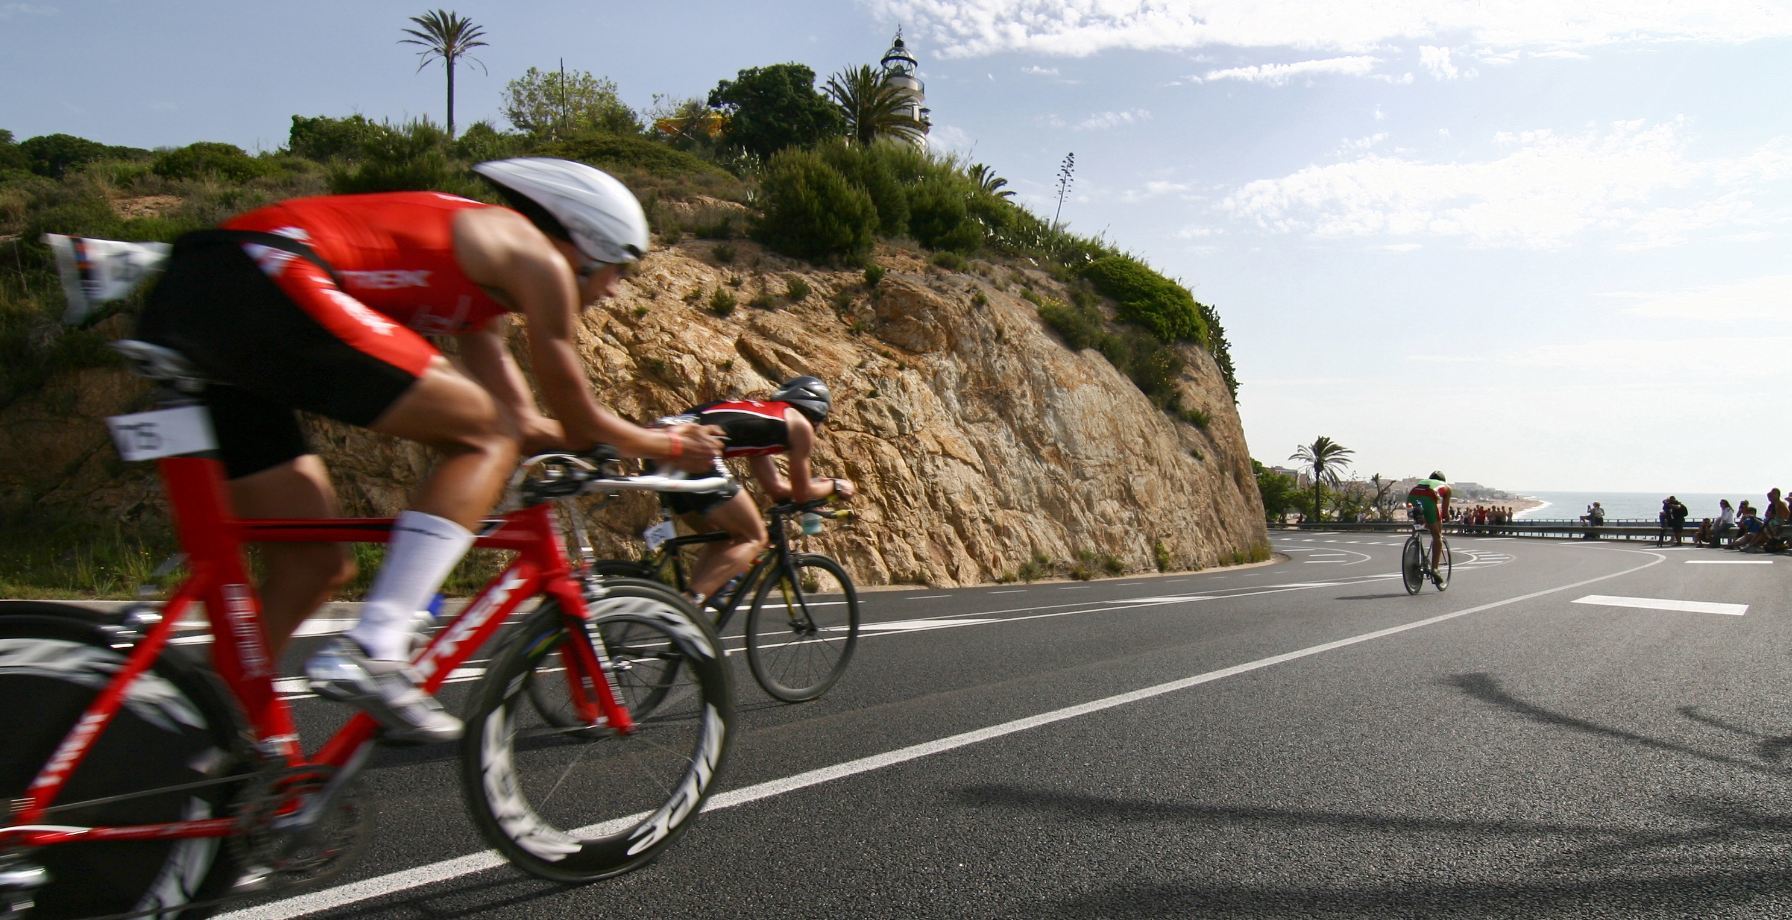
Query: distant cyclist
784	423
321	305
1429	501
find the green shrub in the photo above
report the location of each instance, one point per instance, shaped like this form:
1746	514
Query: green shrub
876	175
723	254
1080	328
722	302
950	261
1034	568
1160	555
763	301
938	218
810	211
796	289
208	158
324	138
627	153
55	155
1148	299
873	274
414	158
482	142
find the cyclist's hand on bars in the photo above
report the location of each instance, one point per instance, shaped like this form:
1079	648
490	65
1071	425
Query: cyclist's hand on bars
699	446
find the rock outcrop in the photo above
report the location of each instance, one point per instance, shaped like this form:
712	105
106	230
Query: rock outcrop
981	445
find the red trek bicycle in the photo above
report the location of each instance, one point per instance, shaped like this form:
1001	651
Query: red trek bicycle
137	781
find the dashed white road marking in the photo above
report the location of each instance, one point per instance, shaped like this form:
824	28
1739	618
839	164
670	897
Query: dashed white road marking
1662	603
925	597
910	625
1729	562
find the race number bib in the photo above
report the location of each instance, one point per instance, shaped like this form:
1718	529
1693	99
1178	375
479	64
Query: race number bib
162	433
658	534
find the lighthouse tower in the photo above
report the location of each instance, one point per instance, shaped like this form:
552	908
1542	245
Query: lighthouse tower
900	67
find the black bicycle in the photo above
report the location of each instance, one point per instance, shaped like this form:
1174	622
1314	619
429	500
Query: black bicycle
803	619
1415	561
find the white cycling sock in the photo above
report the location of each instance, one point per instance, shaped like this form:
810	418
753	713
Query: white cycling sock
423	551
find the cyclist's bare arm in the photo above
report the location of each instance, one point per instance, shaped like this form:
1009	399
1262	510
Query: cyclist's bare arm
804	486
503	251
487	358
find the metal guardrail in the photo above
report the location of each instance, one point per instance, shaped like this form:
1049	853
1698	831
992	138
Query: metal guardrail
1610	530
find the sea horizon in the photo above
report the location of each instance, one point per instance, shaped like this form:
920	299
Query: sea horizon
1629	506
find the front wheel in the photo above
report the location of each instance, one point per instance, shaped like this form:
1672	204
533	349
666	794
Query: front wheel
1412	565
577	804
1443	572
801	631
163	758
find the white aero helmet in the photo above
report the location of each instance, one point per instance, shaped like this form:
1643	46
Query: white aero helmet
599	214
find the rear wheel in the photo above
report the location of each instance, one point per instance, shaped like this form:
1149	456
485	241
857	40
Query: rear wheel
173	730
1412	565
1443	572
801	632
583	803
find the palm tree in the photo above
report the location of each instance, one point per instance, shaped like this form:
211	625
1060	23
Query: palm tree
989	182
1328	459
873	106
448	36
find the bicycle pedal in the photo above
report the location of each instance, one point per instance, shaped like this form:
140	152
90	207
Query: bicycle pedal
253	879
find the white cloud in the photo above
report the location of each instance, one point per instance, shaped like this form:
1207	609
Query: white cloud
1159	188
1280	74
1035	71
1752	300
1633	182
1076	28
1362	144
1437	61
950	137
9	10
1107	120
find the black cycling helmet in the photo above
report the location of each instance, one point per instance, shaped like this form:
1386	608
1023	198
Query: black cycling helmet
808	395
1438	476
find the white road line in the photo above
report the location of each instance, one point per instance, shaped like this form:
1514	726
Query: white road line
925	597
421	876
1010	591
1323	562
1729	562
1660	603
912	625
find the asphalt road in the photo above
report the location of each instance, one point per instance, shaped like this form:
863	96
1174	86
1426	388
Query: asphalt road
1298	739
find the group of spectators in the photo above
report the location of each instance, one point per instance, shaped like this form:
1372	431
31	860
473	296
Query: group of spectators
1466	519
1743	528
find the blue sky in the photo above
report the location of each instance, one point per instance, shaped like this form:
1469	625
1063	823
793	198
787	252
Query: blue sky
1540	245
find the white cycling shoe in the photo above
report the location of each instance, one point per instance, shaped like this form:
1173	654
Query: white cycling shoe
389	691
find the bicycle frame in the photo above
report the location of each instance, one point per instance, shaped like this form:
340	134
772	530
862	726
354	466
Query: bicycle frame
218	577
776	558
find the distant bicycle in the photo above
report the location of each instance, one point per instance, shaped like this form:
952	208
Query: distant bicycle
803	619
1415	561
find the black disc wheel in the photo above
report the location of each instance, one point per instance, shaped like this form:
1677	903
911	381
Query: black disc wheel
1412	565
168	755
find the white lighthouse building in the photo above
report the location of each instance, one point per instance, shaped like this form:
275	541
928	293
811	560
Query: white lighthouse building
900	66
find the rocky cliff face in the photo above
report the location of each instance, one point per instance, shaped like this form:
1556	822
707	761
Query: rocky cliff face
980	444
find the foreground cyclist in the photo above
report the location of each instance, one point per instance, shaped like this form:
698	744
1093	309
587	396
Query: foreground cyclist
786	423
319	304
1429	501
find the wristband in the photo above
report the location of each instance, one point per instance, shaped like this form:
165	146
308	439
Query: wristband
676	449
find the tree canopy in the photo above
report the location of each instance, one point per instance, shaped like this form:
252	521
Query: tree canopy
446	36
871	105
771	108
556	103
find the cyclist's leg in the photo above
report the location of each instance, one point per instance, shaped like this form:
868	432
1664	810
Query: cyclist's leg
299	577
720	561
1435	525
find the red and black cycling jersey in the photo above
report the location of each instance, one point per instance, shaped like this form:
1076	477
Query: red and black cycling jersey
752	428
393	252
